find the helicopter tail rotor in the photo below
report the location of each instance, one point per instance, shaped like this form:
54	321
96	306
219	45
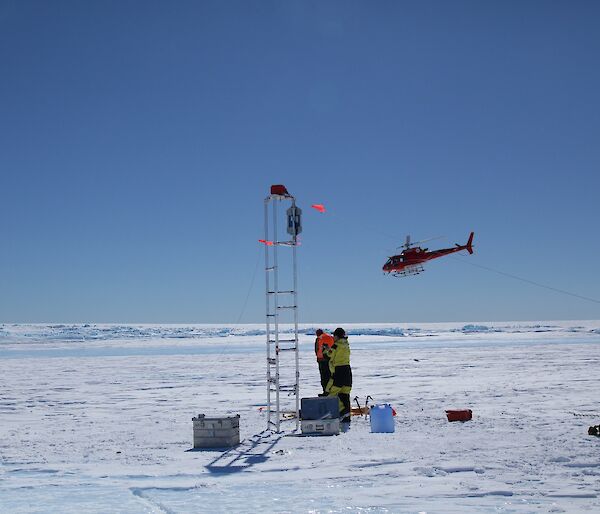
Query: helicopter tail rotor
470	243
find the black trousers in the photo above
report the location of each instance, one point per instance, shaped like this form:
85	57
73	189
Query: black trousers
341	386
324	372
345	411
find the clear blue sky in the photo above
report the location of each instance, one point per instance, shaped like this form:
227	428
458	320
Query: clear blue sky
138	140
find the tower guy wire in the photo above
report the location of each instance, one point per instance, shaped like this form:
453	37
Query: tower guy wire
251	285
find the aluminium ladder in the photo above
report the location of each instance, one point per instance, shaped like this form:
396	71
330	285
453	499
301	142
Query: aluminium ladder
283	376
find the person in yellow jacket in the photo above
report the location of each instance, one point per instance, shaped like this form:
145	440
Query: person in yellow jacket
340	383
323	341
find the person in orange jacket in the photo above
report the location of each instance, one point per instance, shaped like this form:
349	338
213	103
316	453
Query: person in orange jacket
323	341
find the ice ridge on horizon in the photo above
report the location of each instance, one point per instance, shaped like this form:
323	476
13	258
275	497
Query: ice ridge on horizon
104	332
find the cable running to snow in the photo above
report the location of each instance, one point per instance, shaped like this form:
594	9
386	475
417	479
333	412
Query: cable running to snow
529	281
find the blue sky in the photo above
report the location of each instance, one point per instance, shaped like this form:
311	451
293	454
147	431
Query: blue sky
138	140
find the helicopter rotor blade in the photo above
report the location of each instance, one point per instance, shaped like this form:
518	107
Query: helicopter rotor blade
408	242
406	245
427	240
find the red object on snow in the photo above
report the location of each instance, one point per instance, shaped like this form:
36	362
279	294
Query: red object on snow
268	243
459	415
279	189
319	207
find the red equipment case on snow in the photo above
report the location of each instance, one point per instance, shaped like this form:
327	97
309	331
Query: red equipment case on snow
459	415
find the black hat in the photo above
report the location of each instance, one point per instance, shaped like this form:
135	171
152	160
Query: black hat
339	332
318	332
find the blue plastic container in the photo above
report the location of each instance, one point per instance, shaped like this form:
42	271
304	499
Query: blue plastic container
382	418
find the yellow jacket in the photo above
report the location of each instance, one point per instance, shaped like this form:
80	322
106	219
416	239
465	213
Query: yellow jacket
339	354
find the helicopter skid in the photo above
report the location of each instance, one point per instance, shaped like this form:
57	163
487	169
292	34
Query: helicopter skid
411	270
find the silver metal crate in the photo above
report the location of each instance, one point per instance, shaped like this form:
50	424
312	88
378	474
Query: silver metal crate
320	426
216	432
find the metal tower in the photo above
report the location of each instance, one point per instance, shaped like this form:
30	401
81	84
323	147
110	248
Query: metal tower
283	376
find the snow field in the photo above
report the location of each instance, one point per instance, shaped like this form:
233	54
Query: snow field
106	426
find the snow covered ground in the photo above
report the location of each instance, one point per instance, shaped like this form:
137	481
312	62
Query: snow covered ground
97	418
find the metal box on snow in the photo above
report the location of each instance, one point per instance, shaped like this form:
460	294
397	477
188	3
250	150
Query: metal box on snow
320	426
326	407
216	432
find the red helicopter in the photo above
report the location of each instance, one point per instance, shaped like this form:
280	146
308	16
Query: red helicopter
412	258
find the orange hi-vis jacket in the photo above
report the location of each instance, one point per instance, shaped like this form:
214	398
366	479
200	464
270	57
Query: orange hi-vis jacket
321	340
